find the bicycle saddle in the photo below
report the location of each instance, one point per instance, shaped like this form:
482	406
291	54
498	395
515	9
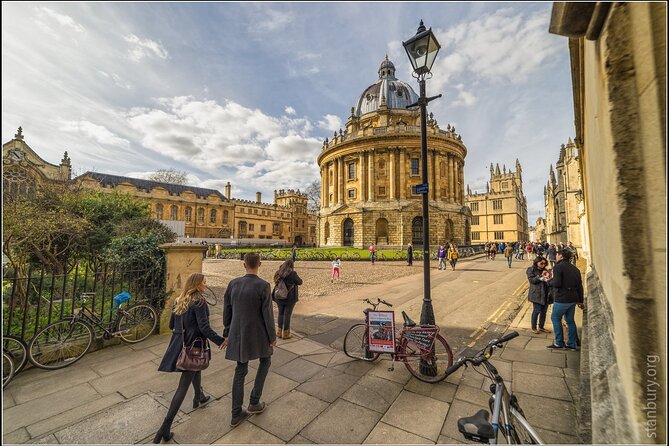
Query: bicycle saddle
476	427
407	320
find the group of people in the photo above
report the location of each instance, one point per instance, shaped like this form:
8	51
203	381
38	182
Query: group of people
248	334
517	250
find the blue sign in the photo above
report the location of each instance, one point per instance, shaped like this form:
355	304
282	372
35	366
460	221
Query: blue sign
421	188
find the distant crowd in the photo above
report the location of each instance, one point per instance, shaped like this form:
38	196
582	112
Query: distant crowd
517	250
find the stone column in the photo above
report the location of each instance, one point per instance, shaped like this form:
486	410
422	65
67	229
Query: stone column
370	180
182	260
392	173
403	174
437	175
433	180
335	180
461	176
342	180
363	175
451	183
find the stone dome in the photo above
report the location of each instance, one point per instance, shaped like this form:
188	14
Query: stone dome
394	92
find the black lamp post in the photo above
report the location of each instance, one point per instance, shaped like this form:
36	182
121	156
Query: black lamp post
422	50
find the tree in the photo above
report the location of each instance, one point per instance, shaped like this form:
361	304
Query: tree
170	176
313	192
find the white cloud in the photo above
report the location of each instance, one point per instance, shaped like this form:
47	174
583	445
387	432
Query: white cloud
290	110
191	179
61	19
95	132
145	48
464	99
330	122
272	20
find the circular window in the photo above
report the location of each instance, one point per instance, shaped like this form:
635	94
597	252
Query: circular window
399	93
369	97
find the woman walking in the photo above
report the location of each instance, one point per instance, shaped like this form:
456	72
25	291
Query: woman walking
189	320
292	281
453	255
538	293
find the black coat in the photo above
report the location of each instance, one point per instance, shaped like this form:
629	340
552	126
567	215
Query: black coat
410	253
292	282
538	291
566	283
248	319
196	325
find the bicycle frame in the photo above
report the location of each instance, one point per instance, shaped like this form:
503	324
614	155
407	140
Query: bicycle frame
92	319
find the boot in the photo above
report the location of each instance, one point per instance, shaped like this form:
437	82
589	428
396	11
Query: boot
286	333
163	433
279	333
200	399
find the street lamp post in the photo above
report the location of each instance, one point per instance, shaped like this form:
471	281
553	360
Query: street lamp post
422	50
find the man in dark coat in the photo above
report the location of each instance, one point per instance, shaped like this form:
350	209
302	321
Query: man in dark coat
248	329
410	255
567	294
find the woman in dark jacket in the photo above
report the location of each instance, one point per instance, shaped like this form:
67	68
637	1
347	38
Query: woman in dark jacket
538	293
189	320
292	281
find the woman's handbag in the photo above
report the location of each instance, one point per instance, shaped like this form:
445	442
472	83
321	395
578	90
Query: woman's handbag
193	358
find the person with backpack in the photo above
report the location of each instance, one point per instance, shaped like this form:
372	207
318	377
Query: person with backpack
336	269
285	295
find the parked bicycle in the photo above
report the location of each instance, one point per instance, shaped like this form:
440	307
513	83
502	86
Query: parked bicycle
507	415
425	353
14	357
66	341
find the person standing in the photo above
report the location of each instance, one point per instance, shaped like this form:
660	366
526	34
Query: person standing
286	272
410	254
441	256
538	294
248	321
189	320
493	250
372	253
528	249
508	253
567	295
293	253
336	269
453	255
551	254
574	253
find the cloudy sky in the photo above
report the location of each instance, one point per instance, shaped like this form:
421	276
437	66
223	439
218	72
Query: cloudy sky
246	92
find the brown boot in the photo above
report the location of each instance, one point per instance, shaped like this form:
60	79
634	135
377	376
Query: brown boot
279	333
286	334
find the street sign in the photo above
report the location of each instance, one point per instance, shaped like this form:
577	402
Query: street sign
421	188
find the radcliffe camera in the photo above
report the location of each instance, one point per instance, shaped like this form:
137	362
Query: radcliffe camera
334	223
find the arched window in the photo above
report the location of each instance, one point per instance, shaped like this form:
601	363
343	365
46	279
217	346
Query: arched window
348	232
417	231
188	213
200	215
442	169
225	217
382	231
212	216
159	211
242	229
449	230
327	231
17	182
174	213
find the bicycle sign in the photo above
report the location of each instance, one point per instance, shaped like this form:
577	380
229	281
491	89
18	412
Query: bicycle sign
381	331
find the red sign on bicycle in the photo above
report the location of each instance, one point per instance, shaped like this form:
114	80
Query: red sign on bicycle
381	331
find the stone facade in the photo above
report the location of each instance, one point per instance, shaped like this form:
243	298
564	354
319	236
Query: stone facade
618	64
499	213
538	231
369	172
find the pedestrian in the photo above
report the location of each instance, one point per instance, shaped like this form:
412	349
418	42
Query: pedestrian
574	253
409	254
248	321
486	248
528	249
189	320
372	253
502	247
286	272
493	250
521	252
551	254
293	253
453	255
567	295
538	294
508	253
336	269
441	256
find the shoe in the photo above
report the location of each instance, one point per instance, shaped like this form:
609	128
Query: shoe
286	334
544	330
555	347
535	331
197	402
256	408
236	421
573	349
279	333
159	436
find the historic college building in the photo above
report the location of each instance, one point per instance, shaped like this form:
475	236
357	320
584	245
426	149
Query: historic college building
370	170
205	213
500	213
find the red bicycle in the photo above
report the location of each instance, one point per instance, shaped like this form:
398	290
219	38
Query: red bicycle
425	353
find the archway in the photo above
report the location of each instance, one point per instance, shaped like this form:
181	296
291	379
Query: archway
298	240
381	231
327	231
348	232
450	229
417	231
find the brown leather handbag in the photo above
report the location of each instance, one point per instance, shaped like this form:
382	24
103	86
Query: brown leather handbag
194	357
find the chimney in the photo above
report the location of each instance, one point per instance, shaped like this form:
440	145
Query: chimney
227	190
258	199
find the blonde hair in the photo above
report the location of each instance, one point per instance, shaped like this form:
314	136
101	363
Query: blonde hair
190	293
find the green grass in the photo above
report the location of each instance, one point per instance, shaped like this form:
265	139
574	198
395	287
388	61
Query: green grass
323	253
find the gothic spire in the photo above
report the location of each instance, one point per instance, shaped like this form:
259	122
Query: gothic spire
19	134
497	169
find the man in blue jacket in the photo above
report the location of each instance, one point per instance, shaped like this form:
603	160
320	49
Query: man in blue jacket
567	294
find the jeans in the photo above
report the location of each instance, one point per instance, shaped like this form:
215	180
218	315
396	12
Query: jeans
509	260
285	311
184	382
566	310
442	264
539	312
238	384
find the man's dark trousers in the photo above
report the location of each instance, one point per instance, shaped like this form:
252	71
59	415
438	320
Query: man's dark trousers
238	384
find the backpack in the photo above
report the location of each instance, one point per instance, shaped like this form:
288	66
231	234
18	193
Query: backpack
281	290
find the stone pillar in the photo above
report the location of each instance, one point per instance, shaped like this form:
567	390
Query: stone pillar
433	180
403	175
335	180
370	180
461	176
322	185
182	260
363	175
451	183
437	175
392	169
342	180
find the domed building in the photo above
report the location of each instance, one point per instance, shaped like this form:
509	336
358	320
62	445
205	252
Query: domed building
370	170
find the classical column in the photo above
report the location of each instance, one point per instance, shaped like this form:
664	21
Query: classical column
461	176
363	176
321	204
370	180
342	179
403	174
437	175
392	170
433	179
451	183
335	179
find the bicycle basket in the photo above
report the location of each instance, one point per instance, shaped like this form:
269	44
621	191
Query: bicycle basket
120	299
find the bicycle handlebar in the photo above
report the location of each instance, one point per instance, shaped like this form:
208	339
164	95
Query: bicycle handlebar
378	301
479	358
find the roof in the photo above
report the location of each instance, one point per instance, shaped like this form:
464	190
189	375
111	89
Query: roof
174	189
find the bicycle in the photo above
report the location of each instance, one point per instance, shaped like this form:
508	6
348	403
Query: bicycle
14	357
507	415
66	341
424	352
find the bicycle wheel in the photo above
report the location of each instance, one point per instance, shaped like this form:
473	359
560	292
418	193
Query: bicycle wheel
137	323
355	344
17	349
60	344
210	296
7	368
434	364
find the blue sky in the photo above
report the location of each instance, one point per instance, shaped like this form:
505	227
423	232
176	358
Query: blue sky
246	92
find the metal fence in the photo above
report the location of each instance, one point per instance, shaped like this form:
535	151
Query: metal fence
34	299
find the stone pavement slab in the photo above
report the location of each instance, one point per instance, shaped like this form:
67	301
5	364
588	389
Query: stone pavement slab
373	393
386	434
299	370
537	369
302	347
541	385
275	387
20	435
555	359
547	413
473	395
400	374
457	410
248	433
204	425
417	414
442	391
328	385
342	423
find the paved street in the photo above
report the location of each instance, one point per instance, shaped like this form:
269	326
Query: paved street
315	394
